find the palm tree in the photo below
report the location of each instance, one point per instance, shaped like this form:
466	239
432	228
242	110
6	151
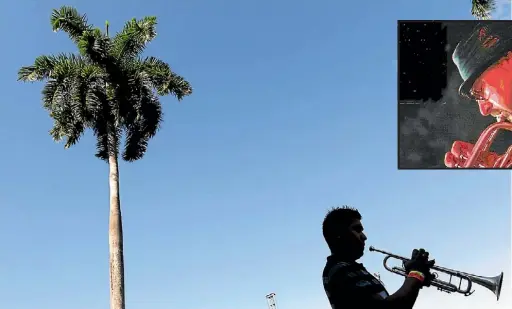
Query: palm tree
109	88
481	9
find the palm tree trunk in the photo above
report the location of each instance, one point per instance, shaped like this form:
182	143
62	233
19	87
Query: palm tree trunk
115	239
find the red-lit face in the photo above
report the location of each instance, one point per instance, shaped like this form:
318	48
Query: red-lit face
493	90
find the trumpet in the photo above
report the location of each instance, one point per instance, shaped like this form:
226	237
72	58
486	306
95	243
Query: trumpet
467	155
491	283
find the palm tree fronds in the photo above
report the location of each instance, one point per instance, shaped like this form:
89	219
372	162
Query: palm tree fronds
177	86
97	102
67	124
70	21
75	132
136	144
148	117
49	93
66	96
136	34
164	80
95	45
52	67
101	144
41	70
481	9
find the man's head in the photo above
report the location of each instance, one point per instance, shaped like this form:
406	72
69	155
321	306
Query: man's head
483	61
343	232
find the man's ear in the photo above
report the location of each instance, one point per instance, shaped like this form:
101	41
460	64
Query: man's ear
341	237
343	233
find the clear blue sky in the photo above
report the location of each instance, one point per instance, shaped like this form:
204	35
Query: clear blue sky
294	111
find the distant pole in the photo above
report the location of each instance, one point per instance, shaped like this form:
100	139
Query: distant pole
271	301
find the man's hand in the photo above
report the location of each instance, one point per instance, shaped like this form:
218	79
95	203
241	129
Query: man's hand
419	262
428	277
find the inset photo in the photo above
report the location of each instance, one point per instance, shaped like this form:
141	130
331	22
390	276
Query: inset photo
455	94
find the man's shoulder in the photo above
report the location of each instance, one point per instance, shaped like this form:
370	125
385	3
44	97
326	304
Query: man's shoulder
350	276
337	268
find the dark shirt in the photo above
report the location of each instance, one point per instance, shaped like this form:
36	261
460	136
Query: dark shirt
349	285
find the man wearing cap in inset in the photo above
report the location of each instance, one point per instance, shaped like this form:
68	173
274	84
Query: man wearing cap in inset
484	61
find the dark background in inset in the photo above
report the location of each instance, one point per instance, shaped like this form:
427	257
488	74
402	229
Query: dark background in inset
431	113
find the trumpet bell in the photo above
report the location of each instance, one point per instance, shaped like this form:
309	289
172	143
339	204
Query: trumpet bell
492	283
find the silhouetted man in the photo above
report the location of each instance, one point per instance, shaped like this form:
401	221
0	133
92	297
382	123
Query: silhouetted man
348	284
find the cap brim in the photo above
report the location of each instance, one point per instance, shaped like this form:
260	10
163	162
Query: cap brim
465	87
